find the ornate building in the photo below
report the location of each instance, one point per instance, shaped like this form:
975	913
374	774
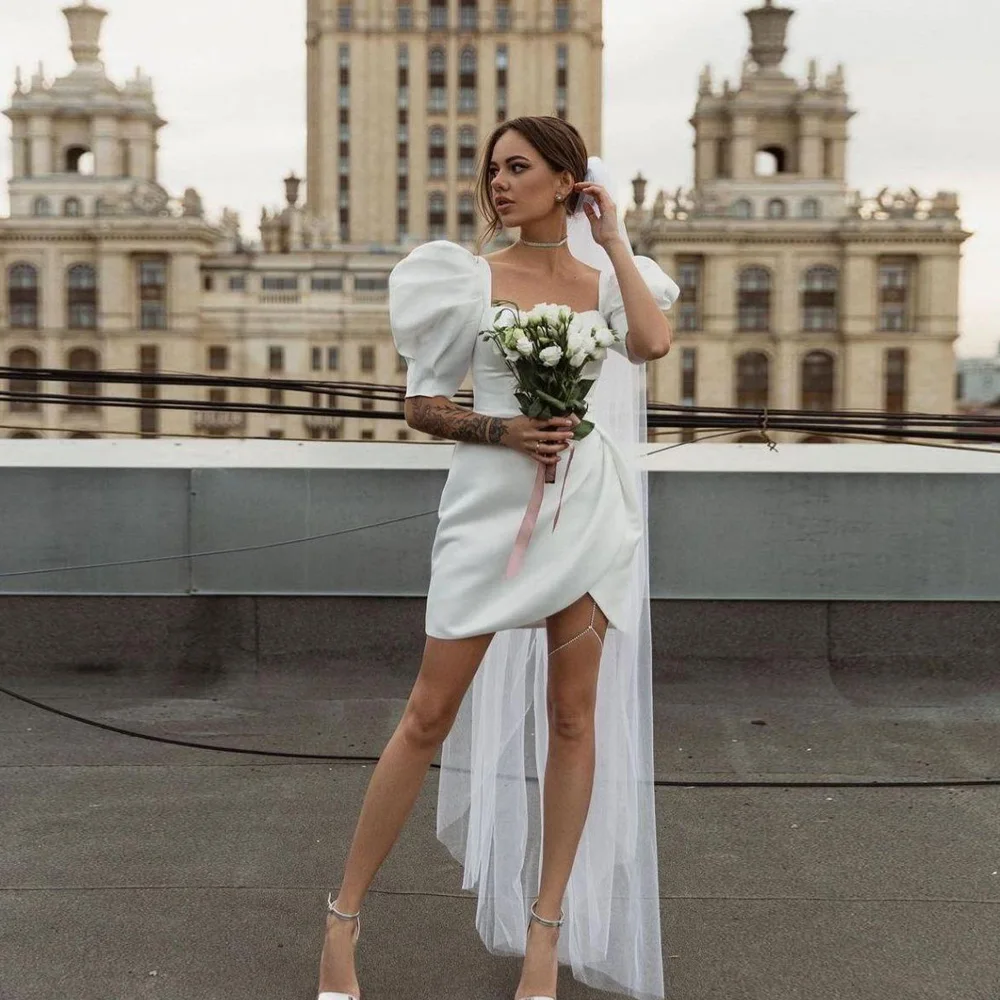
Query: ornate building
797	292
402	94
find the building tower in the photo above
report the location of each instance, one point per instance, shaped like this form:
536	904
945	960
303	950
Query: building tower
796	291
401	96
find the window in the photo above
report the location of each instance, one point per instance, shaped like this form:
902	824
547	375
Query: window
371	283
776	209
326	283
894	282
27	359
722	159
752	380
501	15
820	287
275	359
149	416
280	283
345	17
436	218
562	79
153	293
218	359
502	65
689	279
344	96
438	15
81	305
343	57
404	17
437	81
332	358
770	161
72	207
366	359
41	207
742	209
237	283
316	359
810	209
689	387
22	296
754	300
207	282
83	359
402	435
367	435
468	15
563	12
817	381
895	380
275	397
466	218
467	80
437	153
466	151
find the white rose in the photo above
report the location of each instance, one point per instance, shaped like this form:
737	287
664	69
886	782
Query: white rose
604	337
548	312
579	359
550	356
577	334
524	346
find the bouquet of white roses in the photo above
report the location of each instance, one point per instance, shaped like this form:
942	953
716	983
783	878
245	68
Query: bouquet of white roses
546	350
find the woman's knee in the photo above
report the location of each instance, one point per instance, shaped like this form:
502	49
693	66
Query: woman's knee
571	718
426	722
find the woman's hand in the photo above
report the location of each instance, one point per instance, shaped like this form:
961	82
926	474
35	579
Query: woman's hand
604	227
541	440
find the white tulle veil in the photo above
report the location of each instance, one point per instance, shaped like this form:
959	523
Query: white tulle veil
493	762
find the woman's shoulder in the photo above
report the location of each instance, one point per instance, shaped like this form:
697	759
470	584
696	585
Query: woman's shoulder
437	256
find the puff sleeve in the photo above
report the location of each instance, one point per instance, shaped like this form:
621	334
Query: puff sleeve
663	287
437	298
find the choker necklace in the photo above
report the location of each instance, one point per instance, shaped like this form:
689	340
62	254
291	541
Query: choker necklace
544	246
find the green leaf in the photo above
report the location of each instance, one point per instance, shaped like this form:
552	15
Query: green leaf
582	429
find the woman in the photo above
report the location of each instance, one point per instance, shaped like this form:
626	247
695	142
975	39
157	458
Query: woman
575	583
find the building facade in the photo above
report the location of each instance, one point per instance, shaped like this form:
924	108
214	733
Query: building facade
797	292
401	96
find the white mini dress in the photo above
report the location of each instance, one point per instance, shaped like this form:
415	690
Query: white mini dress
440	302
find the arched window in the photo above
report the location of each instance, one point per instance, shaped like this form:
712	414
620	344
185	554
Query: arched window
25	435
816	439
466	218
80	435
753	389
742	209
72	207
810	209
776	209
81	297
437	152
754	304
771	160
820	287
817	381
466	151
26	358
468	15
41	206
79	160
467	80
437	221
83	359
22	296
437	81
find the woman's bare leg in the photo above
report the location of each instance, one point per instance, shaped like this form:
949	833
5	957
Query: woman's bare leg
447	669
569	776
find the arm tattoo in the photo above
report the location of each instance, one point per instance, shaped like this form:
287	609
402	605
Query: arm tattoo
448	420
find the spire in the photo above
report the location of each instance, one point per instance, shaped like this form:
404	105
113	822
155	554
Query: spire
768	29
85	32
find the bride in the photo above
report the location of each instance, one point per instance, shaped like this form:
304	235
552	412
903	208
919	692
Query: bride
535	682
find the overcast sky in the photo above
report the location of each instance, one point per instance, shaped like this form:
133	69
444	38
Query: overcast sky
229	77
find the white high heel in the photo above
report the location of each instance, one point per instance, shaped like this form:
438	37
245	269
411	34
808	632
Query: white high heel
547	923
332	907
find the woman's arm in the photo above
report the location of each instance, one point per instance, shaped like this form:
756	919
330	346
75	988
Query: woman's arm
441	417
649	331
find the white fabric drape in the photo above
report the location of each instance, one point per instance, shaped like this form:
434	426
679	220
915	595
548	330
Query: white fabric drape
493	762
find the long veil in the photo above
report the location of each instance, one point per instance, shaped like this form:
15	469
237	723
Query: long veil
493	762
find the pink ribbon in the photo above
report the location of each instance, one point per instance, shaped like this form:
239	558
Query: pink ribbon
530	519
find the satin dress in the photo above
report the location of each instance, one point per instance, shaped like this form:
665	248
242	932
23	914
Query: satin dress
440	302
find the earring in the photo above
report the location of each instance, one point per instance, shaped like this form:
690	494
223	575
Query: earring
559	197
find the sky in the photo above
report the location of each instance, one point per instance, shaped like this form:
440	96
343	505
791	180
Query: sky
229	77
